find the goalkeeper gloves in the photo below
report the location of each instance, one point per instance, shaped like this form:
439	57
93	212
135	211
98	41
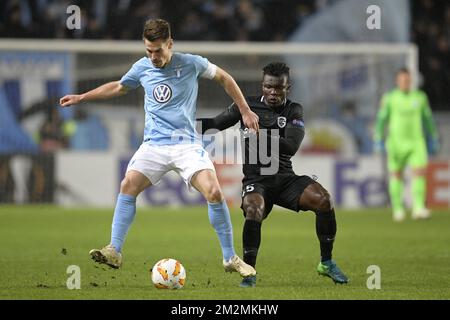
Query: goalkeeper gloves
435	146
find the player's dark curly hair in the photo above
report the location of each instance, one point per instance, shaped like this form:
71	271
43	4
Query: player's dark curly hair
276	69
156	29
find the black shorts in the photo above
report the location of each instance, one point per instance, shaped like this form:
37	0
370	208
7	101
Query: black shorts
280	189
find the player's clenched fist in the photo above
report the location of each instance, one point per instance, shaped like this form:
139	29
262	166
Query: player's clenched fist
250	120
70	100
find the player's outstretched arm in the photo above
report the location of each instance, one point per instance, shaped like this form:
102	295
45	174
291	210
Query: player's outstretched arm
222	121
108	90
249	118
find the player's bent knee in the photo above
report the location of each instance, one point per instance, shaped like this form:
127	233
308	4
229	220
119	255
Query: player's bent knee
214	194
325	203
316	198
127	186
254	212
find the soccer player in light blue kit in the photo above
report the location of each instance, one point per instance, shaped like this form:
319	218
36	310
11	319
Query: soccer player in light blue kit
170	80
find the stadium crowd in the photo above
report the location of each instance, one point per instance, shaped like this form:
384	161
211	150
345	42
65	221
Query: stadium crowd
431	32
222	20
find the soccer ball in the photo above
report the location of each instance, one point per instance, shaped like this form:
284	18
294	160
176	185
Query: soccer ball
168	274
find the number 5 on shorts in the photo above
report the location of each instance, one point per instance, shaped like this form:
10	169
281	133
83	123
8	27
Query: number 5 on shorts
248	188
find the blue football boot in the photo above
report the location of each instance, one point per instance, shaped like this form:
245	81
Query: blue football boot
330	269
248	282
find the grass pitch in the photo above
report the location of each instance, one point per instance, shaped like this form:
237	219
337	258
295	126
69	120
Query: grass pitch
38	243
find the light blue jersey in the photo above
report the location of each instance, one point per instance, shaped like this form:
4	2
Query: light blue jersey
170	96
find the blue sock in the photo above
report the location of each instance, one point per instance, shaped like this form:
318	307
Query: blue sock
219	216
123	217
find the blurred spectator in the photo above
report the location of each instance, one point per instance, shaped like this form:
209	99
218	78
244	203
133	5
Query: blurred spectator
14	26
54	132
220	15
431	32
303	12
250	19
194	27
83	132
51	134
347	114
281	19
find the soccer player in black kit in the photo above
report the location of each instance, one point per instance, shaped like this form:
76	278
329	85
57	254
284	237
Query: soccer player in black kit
281	120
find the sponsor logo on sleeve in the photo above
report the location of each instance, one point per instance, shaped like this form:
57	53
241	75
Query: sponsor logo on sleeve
298	123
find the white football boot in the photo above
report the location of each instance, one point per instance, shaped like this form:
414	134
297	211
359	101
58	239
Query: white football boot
235	264
107	255
423	213
399	215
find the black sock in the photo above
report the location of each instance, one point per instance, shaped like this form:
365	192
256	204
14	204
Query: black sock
251	238
326	232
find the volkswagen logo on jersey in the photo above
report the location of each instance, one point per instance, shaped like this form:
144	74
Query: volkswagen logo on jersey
281	122
162	93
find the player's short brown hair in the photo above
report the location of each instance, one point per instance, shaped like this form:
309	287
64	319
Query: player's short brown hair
403	70
156	29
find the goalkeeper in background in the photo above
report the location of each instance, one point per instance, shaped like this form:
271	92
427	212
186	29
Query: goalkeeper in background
407	113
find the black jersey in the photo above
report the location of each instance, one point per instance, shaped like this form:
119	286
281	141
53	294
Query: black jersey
281	125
